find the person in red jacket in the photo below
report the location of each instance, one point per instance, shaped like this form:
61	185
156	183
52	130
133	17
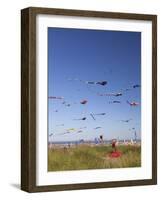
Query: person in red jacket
114	145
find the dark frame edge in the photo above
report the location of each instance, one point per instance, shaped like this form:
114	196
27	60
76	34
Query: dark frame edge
24	99
154	99
28	101
90	13
86	186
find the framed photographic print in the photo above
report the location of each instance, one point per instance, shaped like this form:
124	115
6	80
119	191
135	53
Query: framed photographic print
88	99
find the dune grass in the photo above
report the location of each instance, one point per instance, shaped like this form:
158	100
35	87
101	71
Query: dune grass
97	157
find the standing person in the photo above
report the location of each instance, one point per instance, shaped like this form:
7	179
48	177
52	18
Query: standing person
101	139
96	141
114	145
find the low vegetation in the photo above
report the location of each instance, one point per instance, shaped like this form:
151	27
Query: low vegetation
96	157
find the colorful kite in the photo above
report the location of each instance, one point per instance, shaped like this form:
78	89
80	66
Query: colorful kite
132	103
71	129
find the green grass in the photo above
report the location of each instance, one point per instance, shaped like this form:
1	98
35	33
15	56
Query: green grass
97	157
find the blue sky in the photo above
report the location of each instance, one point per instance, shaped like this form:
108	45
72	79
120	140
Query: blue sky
93	55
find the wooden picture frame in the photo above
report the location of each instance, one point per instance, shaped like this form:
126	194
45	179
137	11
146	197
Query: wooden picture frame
28	98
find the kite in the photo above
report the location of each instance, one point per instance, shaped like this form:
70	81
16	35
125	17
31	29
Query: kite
131	129
84	118
99	114
115	102
83	127
127	89
103	83
66	104
117	94
54	97
70	129
111	94
60	125
83	101
136	86
92	115
64	133
80	131
67	131
98	127
90	82
127	120
132	103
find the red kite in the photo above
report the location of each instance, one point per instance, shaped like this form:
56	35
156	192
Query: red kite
133	103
